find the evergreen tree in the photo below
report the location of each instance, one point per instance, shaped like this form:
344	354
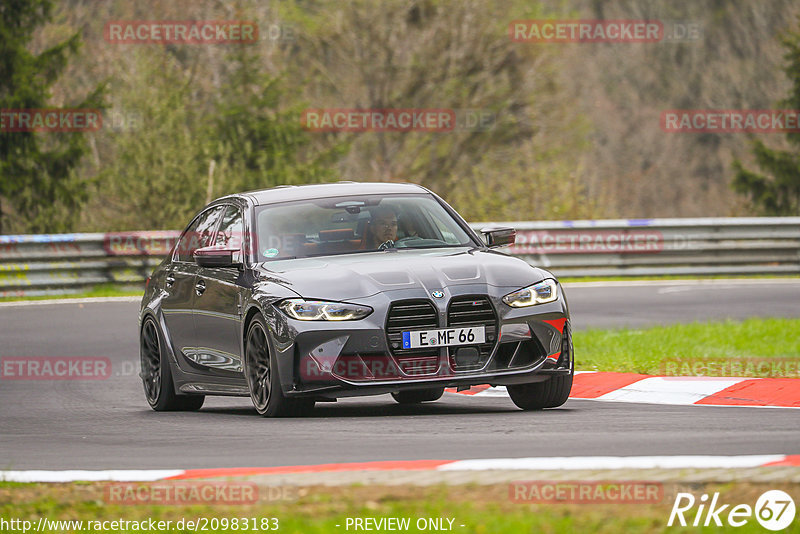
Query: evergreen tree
777	193
37	178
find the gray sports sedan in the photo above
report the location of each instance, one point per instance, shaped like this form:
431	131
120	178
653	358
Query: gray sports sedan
303	294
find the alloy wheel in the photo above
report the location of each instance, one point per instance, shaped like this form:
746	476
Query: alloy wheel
150	356
258	368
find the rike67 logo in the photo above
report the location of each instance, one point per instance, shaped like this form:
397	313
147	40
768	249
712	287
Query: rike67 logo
774	510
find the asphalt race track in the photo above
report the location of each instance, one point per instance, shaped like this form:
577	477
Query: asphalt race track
106	424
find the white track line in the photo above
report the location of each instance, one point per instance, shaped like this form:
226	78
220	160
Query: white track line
670	390
131	475
515	464
614	462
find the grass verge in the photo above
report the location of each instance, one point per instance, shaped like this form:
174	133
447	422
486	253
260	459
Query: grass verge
472	508
771	346
102	290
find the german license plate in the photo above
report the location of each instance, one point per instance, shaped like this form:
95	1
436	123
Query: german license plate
445	337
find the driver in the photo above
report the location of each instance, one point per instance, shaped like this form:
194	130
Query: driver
381	228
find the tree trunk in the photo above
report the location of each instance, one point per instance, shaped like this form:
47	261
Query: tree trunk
210	189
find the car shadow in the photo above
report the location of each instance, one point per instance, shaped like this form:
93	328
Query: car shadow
328	410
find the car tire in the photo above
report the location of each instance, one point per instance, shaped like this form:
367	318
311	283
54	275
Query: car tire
156	374
418	395
262	376
551	393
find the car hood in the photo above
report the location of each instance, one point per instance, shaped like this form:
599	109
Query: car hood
353	276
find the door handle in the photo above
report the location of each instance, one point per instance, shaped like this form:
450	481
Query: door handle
199	287
170	279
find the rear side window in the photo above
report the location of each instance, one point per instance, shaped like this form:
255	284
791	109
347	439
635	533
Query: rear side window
199	234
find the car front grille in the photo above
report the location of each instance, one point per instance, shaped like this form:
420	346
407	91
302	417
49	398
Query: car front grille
412	315
473	311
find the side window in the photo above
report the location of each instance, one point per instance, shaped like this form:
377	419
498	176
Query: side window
443	230
229	233
199	234
408	222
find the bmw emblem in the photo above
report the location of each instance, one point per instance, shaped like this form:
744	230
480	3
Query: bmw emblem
437	294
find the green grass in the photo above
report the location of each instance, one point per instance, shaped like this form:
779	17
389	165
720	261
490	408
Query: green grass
481	509
649	350
102	290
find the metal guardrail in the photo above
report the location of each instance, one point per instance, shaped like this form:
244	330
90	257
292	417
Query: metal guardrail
653	247
53	264
64	263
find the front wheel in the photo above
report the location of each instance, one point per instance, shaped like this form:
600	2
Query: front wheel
551	393
156	375
262	377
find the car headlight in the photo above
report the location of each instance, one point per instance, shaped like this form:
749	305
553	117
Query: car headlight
539	293
320	310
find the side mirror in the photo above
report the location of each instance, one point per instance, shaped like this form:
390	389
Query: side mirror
217	257
499	236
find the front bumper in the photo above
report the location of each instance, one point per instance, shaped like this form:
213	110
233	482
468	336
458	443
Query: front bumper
352	358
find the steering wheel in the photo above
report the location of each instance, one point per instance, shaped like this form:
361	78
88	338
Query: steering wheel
427	242
403	240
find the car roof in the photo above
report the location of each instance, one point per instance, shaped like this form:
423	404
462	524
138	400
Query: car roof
288	193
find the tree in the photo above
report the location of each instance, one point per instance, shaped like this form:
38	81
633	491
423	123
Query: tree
37	178
257	142
454	55
159	174
779	192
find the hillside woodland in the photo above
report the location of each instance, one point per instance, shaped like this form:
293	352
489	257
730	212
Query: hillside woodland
574	132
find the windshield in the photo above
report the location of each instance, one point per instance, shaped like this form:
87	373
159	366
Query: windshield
347	225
